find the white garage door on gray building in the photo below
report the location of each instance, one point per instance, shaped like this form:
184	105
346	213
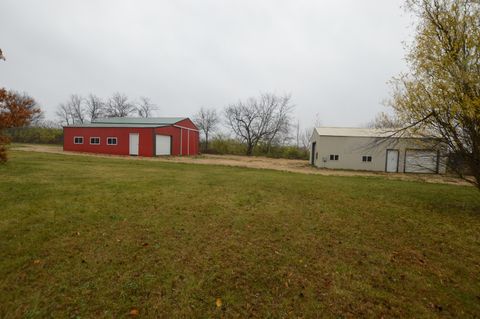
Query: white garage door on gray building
421	161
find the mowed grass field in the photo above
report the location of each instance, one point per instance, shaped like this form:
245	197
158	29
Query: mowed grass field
87	237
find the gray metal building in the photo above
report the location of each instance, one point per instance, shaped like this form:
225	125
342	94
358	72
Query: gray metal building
375	150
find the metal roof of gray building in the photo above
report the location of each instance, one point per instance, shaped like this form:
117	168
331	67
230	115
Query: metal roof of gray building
366	132
352	132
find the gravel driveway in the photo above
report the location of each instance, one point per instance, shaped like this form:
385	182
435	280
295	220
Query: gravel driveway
259	162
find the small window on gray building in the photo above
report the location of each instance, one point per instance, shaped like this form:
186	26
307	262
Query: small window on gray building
316	155
366	158
333	157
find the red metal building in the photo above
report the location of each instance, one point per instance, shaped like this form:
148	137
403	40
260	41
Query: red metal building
134	136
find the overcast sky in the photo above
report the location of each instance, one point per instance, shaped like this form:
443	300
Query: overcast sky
334	57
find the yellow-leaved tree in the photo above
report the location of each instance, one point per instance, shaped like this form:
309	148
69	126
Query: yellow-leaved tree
440	94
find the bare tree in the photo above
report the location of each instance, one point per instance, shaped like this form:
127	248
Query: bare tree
259	119
77	108
64	114
317	122
145	108
72	111
95	107
119	106
304	135
207	121
280	126
297	134
48	124
384	121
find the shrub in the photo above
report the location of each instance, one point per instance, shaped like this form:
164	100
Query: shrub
223	146
36	135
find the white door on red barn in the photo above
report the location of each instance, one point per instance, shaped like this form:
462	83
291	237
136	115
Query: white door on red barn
134	139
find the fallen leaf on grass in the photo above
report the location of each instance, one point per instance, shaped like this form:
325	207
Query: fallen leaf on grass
36	261
134	312
218	302
436	307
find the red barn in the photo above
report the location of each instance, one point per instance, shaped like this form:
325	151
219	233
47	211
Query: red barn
133	136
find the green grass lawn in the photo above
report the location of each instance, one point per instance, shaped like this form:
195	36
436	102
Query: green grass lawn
84	237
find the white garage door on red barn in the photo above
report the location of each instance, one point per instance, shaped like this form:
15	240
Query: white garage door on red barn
162	145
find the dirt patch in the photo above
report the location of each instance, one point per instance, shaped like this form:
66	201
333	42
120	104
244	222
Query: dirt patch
295	166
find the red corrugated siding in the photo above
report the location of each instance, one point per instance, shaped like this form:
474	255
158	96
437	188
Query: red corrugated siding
121	133
187	123
189	140
184	145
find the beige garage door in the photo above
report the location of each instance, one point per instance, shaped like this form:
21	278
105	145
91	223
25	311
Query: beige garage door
421	161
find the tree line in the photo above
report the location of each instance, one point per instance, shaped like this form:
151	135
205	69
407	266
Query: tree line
78	109
260	124
265	120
